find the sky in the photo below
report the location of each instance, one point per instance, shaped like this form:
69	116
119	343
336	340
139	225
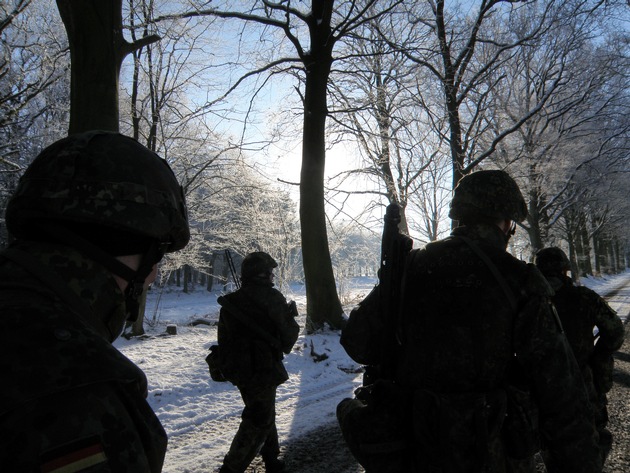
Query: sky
201	416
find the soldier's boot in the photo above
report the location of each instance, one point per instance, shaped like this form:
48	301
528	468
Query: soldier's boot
226	469
275	465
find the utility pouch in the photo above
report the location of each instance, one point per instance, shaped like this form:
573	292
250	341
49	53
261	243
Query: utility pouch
375	425
214	365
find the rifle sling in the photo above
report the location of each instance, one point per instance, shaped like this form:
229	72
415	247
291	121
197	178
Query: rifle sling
493	269
248	322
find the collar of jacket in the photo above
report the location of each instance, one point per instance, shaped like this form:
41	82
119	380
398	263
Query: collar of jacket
87	280
258	282
490	234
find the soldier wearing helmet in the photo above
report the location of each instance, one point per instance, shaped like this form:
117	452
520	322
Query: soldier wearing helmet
91	218
475	323
256	328
583	312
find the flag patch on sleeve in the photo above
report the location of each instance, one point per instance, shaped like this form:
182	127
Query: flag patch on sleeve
76	457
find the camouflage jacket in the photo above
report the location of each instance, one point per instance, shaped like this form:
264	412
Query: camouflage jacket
581	310
459	334
69	398
248	359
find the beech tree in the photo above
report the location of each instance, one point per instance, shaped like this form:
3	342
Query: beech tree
313	34
97	50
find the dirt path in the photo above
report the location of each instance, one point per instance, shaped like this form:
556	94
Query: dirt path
619	410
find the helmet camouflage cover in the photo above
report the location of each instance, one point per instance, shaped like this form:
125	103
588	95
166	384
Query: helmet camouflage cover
256	263
103	180
491	194
552	260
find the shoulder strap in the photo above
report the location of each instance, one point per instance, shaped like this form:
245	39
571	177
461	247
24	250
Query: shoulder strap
493	269
409	264
248	322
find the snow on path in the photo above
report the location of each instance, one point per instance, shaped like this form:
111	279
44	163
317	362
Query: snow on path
202	416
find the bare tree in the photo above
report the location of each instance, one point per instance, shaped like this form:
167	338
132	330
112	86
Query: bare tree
373	105
313	35
559	153
464	52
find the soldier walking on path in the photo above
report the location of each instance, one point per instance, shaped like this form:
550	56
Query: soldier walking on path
476	339
581	310
256	327
91	217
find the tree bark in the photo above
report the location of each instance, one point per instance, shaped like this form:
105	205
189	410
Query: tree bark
322	300
97	50
94	29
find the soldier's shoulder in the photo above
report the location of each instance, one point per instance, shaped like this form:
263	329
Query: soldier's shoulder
535	282
586	293
589	298
63	353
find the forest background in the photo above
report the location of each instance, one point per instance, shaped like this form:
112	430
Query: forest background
292	124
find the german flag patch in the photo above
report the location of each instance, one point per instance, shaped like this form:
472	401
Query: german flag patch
81	456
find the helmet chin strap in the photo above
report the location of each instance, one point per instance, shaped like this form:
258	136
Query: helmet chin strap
135	278
135	286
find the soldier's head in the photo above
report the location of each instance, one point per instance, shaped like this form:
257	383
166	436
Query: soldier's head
552	261
487	197
257	266
107	196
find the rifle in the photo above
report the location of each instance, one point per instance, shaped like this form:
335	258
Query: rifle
228	258
395	247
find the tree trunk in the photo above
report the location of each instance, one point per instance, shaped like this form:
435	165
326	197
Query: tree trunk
587	268
97	50
322	300
211	269
185	277
137	328
94	29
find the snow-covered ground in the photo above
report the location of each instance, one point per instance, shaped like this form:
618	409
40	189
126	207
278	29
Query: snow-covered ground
201	416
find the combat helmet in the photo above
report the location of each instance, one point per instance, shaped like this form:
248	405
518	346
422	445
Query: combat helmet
103	180
552	261
486	196
106	195
257	263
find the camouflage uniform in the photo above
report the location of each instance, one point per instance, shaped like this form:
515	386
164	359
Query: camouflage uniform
70	400
67	390
581	310
460	335
256	367
467	335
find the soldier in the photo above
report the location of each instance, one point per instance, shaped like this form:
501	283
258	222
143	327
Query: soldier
581	310
474	323
256	326
91	217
